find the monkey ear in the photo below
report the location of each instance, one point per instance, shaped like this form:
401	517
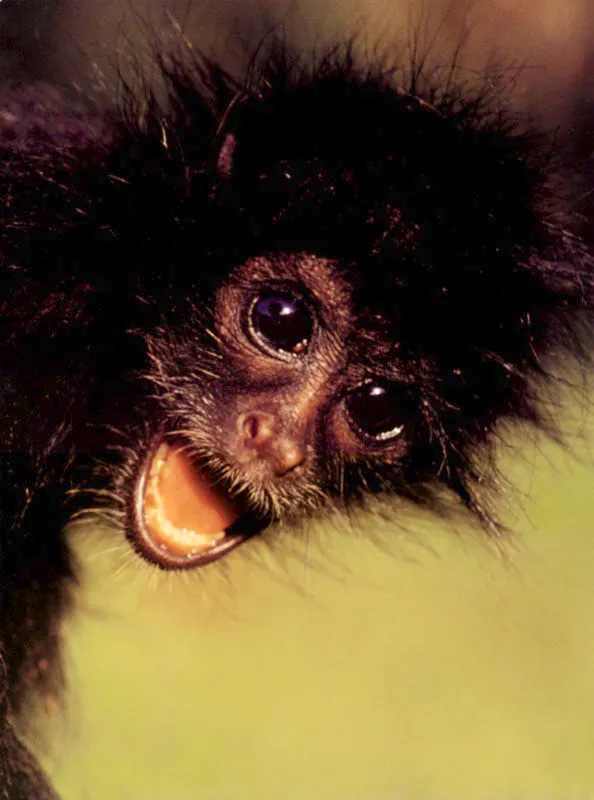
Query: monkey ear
224	163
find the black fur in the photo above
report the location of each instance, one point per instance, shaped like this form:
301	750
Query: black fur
451	252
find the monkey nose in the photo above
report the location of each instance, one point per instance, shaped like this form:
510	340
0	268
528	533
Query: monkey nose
260	434
286	455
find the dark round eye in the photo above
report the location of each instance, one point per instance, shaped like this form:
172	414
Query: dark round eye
380	409
282	322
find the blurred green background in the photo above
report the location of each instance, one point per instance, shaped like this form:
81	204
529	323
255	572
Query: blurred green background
405	660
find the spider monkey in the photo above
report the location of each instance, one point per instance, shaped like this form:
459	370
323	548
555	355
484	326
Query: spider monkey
252	300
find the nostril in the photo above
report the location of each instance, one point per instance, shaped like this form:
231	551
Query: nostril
250	427
257	428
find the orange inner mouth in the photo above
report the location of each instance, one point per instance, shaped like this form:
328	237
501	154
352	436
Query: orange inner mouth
184	513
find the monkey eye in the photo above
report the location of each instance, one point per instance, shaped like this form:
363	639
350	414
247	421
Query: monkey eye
281	322
380	410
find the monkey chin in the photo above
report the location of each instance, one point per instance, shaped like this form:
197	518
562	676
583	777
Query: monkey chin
181	517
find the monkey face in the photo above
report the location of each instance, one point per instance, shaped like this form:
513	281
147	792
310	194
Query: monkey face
268	402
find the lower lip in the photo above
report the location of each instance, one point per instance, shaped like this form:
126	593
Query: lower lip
168	558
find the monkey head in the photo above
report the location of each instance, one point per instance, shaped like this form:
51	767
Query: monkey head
330	284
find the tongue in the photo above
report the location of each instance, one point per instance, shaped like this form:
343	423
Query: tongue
183	511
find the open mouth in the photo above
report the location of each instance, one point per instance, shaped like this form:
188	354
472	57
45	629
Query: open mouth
182	517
